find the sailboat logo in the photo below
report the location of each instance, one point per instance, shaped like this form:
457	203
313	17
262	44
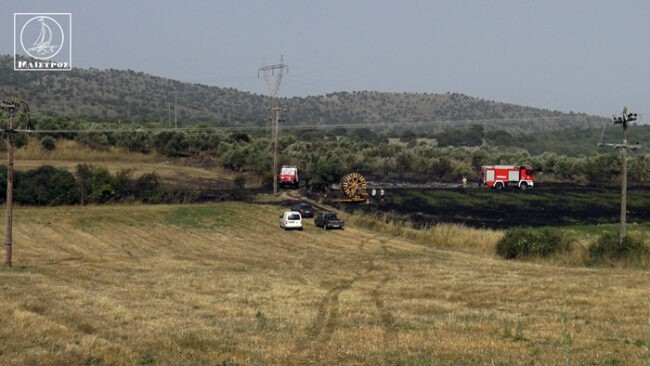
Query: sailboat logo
42	37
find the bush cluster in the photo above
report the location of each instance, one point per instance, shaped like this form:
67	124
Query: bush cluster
523	243
607	250
48	185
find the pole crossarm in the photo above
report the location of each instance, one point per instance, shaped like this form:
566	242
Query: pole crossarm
273	67
13	105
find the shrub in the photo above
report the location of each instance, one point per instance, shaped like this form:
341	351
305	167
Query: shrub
45	185
523	243
48	143
124	184
102	186
607	250
84	181
147	188
240	182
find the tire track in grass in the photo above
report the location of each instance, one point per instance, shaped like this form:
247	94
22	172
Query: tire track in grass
386	316
320	331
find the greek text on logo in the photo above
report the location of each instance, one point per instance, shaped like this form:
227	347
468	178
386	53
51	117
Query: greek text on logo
43	40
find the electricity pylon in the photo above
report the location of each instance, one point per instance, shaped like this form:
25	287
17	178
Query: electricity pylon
273	78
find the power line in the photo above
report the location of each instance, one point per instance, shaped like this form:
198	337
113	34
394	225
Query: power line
322	126
437	123
133	130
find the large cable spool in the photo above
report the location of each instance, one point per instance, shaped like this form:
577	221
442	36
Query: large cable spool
353	185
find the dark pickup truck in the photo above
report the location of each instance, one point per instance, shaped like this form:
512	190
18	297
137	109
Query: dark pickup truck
328	220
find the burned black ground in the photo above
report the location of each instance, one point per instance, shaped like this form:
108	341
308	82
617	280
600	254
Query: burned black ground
545	205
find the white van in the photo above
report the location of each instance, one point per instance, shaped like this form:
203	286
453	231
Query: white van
291	220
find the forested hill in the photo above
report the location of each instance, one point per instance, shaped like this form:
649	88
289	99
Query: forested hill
129	96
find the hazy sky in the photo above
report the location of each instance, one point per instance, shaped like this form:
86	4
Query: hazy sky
588	56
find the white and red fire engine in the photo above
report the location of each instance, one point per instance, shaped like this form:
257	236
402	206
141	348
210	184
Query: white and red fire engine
288	176
502	176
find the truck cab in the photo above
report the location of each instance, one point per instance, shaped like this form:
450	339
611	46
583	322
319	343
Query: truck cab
526	175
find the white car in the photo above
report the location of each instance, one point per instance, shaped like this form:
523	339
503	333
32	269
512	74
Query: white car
291	220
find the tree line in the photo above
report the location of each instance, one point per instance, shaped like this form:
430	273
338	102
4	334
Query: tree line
325	155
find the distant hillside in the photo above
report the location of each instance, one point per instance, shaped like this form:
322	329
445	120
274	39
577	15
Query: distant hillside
129	96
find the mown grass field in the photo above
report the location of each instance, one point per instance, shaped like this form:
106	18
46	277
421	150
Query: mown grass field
223	284
175	172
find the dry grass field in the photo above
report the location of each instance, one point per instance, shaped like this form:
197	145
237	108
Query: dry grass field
69	154
222	284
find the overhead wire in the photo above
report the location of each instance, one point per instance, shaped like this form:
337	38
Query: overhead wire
320	126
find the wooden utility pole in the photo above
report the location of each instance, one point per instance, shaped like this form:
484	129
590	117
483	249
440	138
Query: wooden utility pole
10	187
276	137
11	107
622	231
175	111
624	119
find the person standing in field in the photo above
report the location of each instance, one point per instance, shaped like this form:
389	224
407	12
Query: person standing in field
381	194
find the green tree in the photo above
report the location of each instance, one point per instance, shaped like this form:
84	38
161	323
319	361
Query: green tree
603	168
103	186
45	185
136	141
441	167
123	183
94	140
324	169
84	174
639	169
171	143
239	137
405	161
480	158
500	138
236	157
48	142
147	188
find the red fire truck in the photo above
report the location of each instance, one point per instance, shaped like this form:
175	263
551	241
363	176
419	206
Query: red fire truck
503	176
288	176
